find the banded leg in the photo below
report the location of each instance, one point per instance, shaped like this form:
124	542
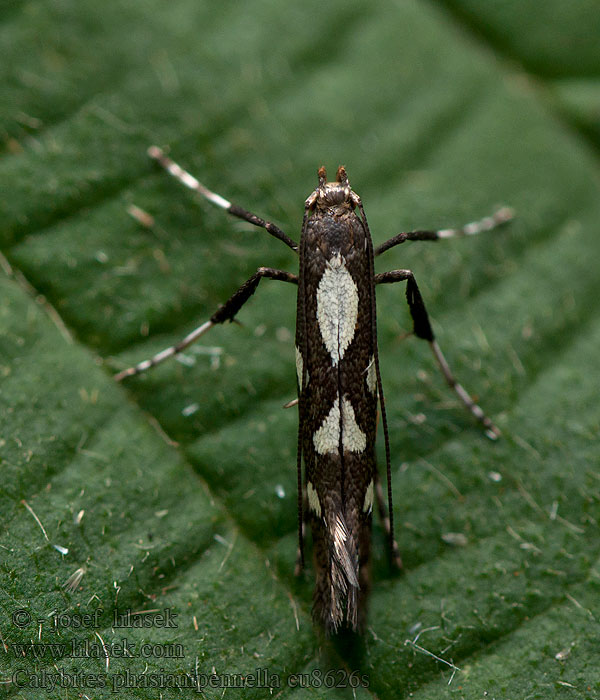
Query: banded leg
190	181
501	216
226	312
422	329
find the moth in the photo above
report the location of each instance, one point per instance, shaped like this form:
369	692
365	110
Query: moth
339	380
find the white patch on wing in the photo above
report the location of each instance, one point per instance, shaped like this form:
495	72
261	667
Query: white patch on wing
372	376
299	367
337	307
353	438
327	438
368	504
313	500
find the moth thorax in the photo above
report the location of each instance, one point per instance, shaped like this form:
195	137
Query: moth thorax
333	194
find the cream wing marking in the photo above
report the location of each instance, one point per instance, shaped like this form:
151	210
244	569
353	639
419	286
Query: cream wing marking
337	307
327	438
313	499
368	504
353	438
299	367
372	376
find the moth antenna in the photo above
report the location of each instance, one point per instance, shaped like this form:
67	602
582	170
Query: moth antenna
322	173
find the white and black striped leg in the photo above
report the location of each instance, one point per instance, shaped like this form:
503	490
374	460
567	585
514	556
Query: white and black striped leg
382	509
226	312
422	329
190	181
501	216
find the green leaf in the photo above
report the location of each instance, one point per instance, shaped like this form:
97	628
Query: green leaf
440	113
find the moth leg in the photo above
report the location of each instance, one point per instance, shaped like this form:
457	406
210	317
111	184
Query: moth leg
382	508
422	329
501	216
226	312
190	181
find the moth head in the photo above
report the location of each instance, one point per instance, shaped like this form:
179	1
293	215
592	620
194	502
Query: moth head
336	195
